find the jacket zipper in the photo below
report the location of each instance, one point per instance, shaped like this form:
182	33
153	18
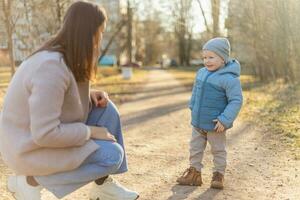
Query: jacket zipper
202	95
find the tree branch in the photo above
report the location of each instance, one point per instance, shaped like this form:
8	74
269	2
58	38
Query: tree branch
118	29
203	14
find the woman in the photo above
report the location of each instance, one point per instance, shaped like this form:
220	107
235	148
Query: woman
50	134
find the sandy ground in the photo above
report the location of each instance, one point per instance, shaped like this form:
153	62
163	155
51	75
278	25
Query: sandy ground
157	131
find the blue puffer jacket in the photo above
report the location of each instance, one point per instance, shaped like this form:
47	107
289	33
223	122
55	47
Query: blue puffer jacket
216	95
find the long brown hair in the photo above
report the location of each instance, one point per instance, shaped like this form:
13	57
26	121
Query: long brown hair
76	39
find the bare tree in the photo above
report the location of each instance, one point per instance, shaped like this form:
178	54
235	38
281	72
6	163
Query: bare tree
153	36
9	21
183	33
117	30
268	30
204	17
43	19
215	7
129	30
60	8
149	35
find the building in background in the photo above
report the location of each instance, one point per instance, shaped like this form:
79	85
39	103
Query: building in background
33	23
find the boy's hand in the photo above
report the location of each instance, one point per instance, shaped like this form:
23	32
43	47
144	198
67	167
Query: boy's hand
219	128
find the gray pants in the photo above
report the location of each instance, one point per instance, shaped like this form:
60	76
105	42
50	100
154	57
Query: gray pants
217	142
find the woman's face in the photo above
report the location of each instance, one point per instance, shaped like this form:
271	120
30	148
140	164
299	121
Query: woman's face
100	32
98	40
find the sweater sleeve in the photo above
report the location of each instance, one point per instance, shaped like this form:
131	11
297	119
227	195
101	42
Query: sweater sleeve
235	100
48	86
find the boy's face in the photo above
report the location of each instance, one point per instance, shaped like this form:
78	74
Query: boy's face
212	61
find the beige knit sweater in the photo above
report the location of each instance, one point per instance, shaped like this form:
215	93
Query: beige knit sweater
42	128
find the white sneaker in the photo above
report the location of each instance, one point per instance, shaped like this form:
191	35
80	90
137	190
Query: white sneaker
22	190
111	190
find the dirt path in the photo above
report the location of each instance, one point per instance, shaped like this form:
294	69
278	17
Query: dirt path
156	129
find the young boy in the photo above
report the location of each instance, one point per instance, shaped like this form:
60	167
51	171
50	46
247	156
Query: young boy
215	103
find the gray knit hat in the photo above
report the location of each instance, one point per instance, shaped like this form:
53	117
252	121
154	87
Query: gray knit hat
220	46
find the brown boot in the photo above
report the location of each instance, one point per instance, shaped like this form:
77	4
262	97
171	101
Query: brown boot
217	181
190	177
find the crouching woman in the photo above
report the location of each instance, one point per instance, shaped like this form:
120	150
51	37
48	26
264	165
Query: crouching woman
54	132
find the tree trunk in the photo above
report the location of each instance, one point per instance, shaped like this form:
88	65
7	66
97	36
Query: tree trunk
215	5
58	11
189	48
129	31
7	6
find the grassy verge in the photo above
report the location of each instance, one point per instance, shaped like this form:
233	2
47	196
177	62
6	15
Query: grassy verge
275	106
119	89
108	79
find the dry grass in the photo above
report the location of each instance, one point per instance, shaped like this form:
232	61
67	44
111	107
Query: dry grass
275	106
119	89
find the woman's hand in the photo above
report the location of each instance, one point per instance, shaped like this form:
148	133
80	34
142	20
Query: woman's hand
219	128
101	133
99	98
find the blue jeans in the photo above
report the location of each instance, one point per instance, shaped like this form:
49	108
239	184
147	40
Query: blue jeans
108	159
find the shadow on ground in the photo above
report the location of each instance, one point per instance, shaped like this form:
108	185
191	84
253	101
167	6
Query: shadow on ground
182	192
